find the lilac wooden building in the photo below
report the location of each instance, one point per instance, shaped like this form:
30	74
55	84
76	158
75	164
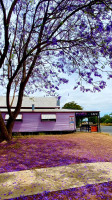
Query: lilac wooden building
42	114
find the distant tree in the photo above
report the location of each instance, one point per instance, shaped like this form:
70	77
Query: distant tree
106	119
72	105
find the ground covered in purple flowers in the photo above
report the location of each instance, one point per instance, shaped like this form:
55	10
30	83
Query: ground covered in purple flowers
57	150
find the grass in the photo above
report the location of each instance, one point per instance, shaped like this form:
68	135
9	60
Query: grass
39	151
106	124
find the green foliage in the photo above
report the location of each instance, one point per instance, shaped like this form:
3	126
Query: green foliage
106	119
93	119
72	105
41	133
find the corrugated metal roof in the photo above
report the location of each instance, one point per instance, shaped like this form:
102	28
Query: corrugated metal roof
50	110
28	101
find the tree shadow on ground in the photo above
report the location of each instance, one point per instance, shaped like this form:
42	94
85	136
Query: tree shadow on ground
30	153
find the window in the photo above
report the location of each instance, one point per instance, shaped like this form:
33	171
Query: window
18	118
48	117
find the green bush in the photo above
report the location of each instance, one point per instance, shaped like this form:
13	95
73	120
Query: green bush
106	119
41	133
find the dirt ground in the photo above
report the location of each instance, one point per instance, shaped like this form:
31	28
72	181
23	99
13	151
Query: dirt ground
29	152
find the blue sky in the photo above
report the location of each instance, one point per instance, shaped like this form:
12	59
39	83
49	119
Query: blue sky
99	101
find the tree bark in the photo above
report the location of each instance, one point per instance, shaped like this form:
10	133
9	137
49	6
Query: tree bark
9	127
4	135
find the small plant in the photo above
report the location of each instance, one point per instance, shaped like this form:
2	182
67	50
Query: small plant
41	133
18	134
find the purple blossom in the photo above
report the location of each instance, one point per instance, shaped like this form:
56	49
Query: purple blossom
94	69
54	41
88	74
47	53
60	66
46	27
93	42
59	97
50	72
69	57
73	70
108	28
102	50
77	52
82	88
96	74
48	42
75	87
69	8
96	88
88	37
41	8
57	88
90	80
108	40
100	27
87	90
102	84
63	80
82	74
61	53
111	64
110	49
52	8
110	75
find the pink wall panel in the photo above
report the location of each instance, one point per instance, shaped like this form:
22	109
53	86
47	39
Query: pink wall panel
32	123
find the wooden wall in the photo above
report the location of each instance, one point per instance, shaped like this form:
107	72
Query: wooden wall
32	123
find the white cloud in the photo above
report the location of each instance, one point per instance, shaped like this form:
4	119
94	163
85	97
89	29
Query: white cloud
99	101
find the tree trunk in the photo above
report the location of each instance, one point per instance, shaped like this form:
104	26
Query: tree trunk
9	126
4	135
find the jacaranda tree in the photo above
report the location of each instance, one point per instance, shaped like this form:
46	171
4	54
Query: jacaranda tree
42	39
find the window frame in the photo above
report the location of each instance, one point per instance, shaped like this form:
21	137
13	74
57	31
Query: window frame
48	119
17	119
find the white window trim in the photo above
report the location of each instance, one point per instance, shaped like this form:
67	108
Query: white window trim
48	116
19	117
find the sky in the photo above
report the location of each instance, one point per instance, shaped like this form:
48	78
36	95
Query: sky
98	101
